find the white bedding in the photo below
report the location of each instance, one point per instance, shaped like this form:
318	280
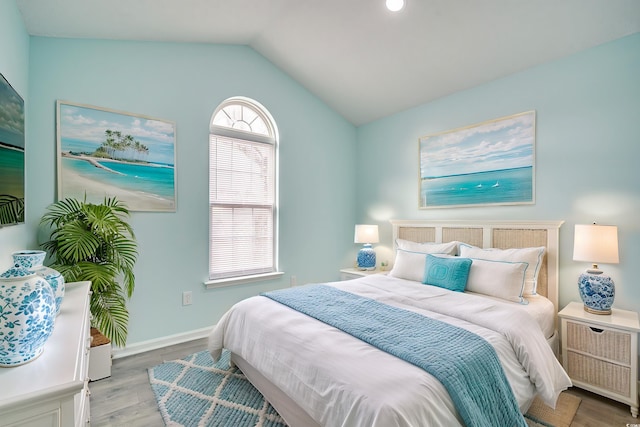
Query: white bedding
538	307
341	381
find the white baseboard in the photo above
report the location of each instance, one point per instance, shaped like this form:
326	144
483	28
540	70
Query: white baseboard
157	343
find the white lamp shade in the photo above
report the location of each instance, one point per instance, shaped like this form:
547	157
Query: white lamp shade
596	243
366	233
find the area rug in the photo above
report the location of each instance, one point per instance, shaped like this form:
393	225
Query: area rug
540	414
195	392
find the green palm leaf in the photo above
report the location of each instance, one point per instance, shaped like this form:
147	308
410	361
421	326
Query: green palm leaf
111	316
75	242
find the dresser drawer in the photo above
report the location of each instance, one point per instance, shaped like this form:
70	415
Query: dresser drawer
603	343
599	373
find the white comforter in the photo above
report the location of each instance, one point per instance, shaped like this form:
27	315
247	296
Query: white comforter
341	381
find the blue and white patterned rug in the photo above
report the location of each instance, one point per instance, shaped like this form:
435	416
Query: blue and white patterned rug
195	392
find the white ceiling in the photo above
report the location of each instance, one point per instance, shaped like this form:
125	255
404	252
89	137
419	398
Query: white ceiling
361	59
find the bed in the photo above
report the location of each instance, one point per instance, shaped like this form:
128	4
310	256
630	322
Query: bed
315	374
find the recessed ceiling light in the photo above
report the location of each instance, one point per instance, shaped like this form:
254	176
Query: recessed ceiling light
395	5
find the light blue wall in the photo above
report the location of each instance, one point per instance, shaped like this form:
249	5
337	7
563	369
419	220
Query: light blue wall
14	66
587	152
184	83
331	174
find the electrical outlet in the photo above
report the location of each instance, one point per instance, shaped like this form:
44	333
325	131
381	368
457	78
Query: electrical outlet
187	298
293	281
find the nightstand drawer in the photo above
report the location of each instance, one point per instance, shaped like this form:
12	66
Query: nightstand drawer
599	373
349	276
603	343
354	273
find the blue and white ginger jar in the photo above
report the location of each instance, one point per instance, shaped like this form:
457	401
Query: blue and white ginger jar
366	257
27	316
33	260
597	292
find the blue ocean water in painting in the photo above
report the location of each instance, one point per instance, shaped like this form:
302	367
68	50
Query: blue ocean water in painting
147	178
80	146
12	171
492	187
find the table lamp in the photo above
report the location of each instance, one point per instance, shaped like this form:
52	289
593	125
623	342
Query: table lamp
366	234
596	244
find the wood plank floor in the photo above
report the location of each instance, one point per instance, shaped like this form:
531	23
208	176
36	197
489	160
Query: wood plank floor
125	399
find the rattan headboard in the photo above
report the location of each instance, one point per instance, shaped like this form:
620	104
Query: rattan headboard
493	234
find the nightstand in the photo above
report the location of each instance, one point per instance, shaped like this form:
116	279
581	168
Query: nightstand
600	352
354	273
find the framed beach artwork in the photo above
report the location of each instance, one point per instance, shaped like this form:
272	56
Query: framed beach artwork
12	160
489	163
106	153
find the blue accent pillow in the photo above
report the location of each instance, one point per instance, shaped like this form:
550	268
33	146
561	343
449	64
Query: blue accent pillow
449	273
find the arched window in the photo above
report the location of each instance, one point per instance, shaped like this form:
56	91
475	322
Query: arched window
242	192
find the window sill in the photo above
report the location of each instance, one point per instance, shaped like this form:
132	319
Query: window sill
221	283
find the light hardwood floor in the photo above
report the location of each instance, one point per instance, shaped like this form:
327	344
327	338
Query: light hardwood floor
125	399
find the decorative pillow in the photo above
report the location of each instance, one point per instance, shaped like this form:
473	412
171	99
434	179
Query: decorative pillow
447	272
501	279
449	248
409	265
532	256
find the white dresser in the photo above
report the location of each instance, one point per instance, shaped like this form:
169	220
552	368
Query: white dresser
52	389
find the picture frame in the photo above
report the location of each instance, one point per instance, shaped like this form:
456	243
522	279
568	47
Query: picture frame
108	153
485	164
12	155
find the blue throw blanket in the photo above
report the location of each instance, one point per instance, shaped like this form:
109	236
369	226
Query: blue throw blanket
462	361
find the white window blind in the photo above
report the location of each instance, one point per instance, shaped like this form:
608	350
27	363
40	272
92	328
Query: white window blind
242	207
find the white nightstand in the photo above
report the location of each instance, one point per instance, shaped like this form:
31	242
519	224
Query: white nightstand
354	273
600	352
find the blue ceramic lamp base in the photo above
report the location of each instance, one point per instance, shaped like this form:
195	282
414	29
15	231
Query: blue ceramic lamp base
597	291
366	258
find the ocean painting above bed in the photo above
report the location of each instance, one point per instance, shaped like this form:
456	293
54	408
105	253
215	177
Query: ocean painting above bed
317	371
490	163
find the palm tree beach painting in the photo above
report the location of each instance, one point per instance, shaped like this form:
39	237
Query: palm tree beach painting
490	163
104	153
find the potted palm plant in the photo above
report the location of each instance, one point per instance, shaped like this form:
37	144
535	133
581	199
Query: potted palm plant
95	242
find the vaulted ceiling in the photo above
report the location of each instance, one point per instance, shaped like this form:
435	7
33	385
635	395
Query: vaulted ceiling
361	59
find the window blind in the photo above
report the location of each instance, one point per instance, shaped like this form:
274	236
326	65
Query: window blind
241	203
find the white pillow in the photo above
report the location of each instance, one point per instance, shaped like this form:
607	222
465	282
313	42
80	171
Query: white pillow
531	256
449	248
501	279
409	265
